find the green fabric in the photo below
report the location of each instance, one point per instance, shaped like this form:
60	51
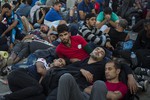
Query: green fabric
88	49
101	17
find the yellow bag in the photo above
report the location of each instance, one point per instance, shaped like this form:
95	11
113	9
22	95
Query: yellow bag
4	54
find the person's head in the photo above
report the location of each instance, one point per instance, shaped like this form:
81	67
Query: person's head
44	28
90	20
112	70
86	1
60	62
57	6
29	2
7	8
147	27
107	11
63	33
97	54
53	36
122	24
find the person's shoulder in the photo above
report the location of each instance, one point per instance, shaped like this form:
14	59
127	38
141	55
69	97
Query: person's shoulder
114	14
60	45
101	14
76	37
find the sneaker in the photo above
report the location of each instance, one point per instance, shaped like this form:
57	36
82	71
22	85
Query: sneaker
142	78
142	71
144	85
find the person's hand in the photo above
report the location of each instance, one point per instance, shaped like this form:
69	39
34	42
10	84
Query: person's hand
107	17
109	46
43	12
87	75
132	84
4	11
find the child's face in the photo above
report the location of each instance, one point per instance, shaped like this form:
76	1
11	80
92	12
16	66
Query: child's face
52	37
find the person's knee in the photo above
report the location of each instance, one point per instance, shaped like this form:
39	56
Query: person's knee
100	86
66	78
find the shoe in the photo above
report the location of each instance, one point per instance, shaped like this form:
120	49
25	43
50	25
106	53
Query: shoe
142	71
142	78
144	85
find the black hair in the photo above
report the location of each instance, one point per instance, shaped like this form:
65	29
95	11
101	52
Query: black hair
90	15
107	10
56	3
117	63
29	2
46	9
61	28
123	23
6	5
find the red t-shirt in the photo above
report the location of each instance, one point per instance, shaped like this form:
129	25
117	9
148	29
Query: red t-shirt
117	87
75	51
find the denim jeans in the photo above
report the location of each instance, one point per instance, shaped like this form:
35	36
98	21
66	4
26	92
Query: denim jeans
30	60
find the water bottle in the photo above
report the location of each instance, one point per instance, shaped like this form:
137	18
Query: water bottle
133	21
134	59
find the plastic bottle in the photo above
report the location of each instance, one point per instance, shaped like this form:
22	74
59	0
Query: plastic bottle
133	21
134	59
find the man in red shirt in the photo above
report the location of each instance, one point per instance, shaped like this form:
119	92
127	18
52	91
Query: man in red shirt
115	89
73	48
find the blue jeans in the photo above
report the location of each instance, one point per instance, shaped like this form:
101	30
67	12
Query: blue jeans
30	60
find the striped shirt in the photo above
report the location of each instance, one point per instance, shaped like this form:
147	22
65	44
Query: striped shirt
94	35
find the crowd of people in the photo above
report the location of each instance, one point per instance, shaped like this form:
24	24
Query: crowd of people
74	49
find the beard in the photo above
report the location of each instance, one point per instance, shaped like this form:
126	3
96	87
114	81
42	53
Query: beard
95	57
65	41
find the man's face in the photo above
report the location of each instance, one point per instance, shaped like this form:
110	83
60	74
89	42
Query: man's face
111	72
98	53
57	7
59	62
44	28
65	37
7	12
91	22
